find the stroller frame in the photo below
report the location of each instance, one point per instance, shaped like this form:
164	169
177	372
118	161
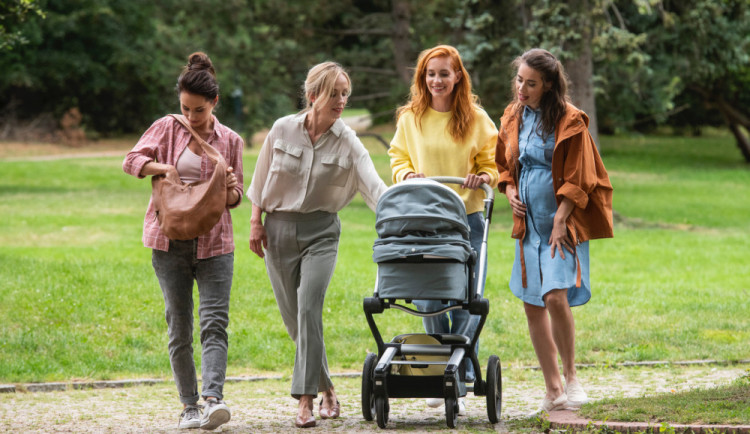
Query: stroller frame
378	382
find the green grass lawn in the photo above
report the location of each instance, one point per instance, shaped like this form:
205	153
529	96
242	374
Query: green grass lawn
726	405
79	299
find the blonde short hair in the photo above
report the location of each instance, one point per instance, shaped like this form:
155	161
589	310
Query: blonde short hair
321	79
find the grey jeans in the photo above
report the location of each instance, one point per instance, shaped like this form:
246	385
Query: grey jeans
176	270
300	260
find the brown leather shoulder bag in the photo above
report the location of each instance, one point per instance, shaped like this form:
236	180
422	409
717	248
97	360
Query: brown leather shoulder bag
186	211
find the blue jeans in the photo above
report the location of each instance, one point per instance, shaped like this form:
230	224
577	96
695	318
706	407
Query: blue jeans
458	321
176	270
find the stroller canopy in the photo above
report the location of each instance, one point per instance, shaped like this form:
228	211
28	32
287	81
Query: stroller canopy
421	217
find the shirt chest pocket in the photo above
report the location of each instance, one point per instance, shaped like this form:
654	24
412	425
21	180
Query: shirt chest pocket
286	158
336	169
544	148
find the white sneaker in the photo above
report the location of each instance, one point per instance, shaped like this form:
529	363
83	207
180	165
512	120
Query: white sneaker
216	413
190	417
437	402
548	405
434	402
576	395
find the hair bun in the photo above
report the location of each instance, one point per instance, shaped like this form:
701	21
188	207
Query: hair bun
199	61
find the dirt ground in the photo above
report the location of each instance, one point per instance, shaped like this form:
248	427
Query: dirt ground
10	151
115	147
265	406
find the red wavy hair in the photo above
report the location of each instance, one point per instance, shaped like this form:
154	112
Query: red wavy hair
464	101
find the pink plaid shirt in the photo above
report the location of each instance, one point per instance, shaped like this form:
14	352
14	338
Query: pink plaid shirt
164	142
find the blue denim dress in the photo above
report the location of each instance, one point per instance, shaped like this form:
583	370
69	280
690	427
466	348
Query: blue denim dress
543	273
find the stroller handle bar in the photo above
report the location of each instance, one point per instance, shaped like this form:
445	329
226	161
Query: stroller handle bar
489	191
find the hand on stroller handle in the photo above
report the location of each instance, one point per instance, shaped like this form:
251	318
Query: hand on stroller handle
489	191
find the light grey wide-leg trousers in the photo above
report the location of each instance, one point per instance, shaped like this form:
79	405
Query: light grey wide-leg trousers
300	259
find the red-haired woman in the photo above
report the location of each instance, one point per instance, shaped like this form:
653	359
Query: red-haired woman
443	131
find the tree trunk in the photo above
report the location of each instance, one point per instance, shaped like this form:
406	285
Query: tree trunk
733	117
581	70
400	38
743	142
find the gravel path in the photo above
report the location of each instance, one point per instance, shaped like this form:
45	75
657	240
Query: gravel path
265	406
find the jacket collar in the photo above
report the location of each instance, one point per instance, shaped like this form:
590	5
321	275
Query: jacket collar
573	122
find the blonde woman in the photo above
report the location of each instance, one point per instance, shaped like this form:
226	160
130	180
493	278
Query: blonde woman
443	131
310	167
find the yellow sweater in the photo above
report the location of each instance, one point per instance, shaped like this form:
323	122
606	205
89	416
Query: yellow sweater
431	150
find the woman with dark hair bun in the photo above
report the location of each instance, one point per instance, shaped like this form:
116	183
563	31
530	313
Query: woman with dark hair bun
168	148
561	197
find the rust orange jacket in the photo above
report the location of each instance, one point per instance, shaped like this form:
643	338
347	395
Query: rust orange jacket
578	173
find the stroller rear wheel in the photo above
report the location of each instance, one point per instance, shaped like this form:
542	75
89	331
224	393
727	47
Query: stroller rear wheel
368	394
494	389
381	409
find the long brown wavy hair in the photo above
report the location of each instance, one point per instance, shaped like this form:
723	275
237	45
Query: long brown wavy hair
554	101
463	104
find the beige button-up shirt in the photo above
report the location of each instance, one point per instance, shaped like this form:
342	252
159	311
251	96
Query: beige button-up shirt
294	175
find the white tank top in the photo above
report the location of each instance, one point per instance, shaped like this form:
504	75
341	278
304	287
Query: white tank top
189	166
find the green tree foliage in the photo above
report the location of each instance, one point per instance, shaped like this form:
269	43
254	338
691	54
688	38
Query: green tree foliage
683	63
93	54
654	61
378	41
261	49
686	64
498	32
12	13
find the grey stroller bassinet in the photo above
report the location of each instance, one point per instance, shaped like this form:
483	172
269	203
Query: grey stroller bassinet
423	252
421	221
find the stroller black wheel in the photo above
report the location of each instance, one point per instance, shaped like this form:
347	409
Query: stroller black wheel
451	411
494	389
368	394
381	410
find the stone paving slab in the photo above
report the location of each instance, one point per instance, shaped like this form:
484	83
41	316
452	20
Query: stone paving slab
7	388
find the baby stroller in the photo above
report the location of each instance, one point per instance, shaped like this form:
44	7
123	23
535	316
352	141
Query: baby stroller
423	252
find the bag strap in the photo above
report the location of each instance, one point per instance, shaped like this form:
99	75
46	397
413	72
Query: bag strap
213	155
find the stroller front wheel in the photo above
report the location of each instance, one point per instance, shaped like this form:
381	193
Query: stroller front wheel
451	411
494	389
381	410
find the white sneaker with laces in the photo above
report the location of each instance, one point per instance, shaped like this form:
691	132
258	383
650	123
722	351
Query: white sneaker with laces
216	413
548	405
434	402
190	417
461	407
576	395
